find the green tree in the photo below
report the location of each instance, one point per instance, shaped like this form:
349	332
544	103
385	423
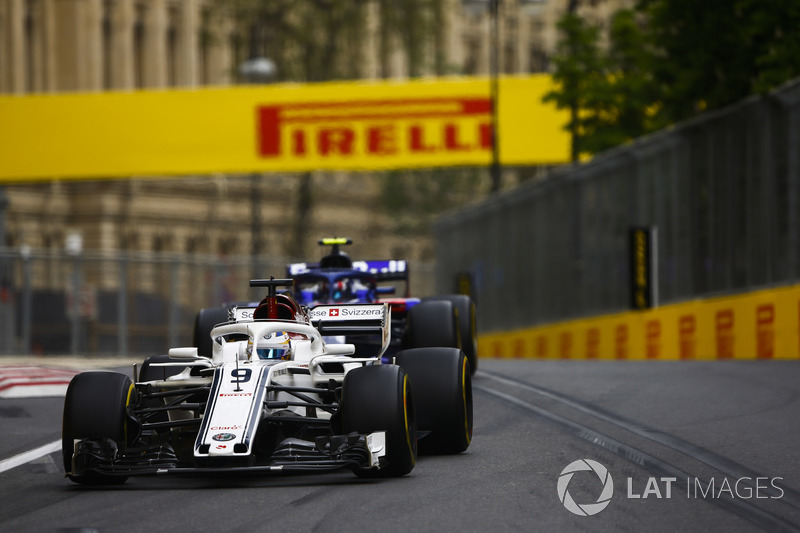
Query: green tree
669	60
578	68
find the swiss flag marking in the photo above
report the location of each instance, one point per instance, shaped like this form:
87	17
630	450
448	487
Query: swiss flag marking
334	312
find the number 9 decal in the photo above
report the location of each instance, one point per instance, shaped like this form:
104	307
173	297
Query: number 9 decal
241	375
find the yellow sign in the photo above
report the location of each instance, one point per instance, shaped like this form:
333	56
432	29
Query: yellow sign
286	127
755	325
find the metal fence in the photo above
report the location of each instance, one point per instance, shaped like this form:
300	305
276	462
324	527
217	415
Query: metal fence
723	191
54	302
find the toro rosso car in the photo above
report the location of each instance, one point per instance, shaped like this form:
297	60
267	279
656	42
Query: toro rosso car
273	397
437	321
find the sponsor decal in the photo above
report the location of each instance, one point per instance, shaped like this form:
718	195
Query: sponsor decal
227	394
653	339
223	437
765	331
356	312
687	342
642	242
725	333
226	428
392	127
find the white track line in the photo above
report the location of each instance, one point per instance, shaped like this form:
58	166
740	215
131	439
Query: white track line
26	457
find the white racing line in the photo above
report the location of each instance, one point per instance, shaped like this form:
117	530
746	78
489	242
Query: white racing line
32	455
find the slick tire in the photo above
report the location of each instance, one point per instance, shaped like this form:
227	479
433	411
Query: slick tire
96	407
467	325
204	322
379	398
443	394
432	323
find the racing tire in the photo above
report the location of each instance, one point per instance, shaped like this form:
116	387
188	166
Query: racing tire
204	322
467	325
443	393
379	398
432	323
96	407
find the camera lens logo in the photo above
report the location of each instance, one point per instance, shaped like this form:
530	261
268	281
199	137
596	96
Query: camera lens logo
586	509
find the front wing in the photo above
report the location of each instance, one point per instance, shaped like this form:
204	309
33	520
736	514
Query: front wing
353	451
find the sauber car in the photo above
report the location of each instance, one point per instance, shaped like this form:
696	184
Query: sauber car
272	397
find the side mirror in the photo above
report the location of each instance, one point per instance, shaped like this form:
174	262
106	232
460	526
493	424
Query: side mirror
183	353
340	349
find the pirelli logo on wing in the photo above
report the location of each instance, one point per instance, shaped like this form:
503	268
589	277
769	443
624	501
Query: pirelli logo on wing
386	128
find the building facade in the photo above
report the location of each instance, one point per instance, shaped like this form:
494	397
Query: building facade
49	46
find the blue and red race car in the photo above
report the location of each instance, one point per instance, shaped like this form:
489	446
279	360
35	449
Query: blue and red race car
447	320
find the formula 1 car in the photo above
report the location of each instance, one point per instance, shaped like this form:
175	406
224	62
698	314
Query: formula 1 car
447	320
274	397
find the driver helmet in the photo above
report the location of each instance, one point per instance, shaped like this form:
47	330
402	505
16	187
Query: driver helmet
274	346
342	291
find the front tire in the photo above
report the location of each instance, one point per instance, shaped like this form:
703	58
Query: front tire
204	322
379	398
96	408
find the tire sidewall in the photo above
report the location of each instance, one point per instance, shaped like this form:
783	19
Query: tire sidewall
443	393
96	407
432	323
380	398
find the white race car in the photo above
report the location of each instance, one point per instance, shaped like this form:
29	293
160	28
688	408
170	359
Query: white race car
275	397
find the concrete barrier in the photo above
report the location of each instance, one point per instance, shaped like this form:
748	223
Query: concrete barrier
763	324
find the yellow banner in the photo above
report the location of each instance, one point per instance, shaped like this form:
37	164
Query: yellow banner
286	127
755	325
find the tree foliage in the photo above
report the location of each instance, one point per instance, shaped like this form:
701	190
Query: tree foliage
668	60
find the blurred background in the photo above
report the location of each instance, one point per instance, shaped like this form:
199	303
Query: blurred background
681	115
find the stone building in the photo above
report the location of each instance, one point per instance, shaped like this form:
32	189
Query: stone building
98	45
49	46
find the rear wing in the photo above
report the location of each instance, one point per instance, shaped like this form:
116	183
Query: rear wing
351	319
341	319
383	270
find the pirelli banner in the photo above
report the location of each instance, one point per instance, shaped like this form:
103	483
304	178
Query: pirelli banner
756	325
332	126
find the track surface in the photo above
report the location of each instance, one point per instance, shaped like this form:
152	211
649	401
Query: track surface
692	421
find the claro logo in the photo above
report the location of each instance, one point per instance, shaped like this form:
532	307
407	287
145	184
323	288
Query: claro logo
375	128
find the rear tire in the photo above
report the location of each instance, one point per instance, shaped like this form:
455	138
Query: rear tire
432	323
443	392
204	322
96	407
379	398
467	325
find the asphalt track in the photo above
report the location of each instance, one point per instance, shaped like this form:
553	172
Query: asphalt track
693	446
